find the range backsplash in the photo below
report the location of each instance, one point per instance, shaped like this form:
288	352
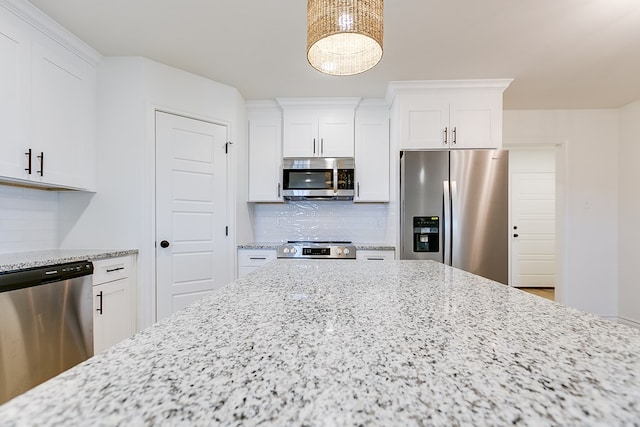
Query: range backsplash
327	220
28	219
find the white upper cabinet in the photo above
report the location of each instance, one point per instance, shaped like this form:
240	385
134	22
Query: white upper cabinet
318	127
265	152
62	115
15	47
47	120
372	152
448	114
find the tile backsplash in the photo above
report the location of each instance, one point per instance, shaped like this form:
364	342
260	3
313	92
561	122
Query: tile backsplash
360	223
28	219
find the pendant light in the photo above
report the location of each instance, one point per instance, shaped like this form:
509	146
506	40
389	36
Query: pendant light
344	37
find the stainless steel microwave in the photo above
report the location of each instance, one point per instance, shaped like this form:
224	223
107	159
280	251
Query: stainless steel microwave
318	178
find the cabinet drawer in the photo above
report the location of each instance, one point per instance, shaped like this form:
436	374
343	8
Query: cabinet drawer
110	269
255	258
375	255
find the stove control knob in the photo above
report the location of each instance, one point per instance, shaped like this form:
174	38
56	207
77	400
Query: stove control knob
346	251
285	250
339	251
293	250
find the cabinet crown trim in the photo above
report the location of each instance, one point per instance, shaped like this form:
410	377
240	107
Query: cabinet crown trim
318	102
46	25
422	86
262	105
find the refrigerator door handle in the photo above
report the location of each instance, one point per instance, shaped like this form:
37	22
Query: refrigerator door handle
452	221
446	223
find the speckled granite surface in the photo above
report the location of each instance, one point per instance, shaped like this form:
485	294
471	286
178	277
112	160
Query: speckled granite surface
21	260
362	247
334	343
260	245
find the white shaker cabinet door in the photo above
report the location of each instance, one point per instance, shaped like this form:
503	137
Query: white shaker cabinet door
14	95
62	115
114	301
425	124
300	134
372	155
336	132
476	122
265	157
113	319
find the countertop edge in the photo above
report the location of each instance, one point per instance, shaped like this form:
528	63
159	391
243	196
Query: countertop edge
23	260
274	246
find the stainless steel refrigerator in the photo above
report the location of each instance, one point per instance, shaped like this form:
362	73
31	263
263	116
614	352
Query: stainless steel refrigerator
454	209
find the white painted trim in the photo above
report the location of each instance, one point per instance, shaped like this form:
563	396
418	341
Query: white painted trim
318	102
421	86
46	25
629	322
262	105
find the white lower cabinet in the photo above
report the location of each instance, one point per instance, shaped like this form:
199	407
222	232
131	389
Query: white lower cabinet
114	301
375	255
252	259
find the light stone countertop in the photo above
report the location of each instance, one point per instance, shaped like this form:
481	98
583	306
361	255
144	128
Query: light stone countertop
322	342
23	260
359	246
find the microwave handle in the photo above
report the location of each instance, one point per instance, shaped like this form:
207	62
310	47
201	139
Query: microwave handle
335	180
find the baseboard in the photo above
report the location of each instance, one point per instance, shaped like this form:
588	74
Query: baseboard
629	322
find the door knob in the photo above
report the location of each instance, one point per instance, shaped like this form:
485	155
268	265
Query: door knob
164	244
515	235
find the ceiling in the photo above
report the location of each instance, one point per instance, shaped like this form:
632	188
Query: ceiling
561	53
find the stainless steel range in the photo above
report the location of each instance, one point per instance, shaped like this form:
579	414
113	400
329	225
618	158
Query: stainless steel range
317	249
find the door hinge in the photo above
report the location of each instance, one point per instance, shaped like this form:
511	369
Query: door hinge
226	230
226	147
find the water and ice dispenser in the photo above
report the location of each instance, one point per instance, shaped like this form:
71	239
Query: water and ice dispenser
426	234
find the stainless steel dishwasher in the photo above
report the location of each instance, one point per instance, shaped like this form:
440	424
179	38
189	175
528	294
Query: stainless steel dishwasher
46	324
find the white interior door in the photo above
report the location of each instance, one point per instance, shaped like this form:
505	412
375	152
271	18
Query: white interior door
533	229
191	211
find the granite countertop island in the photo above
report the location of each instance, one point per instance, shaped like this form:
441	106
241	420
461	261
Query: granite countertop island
355	343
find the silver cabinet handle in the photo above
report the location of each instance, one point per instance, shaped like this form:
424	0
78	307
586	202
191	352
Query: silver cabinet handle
314	146
278	190
321	146
375	259
454	135
358	189
257	257
444	140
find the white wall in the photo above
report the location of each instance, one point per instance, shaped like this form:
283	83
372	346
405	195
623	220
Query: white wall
121	212
629	215
28	219
589	188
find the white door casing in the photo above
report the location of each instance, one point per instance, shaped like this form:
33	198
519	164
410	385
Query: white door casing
191	211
